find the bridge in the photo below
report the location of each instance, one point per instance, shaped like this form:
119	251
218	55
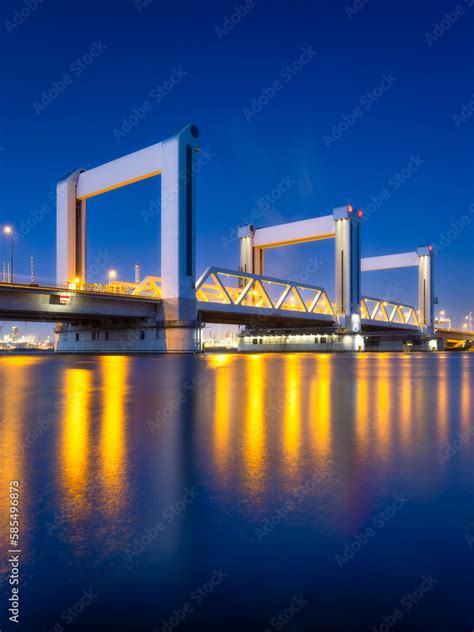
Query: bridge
166	313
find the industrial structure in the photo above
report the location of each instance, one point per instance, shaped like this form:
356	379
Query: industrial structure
166	313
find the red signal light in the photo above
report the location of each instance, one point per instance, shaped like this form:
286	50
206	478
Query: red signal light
359	213
349	208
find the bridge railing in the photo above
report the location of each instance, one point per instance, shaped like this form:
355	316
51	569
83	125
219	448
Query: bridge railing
150	287
388	311
242	289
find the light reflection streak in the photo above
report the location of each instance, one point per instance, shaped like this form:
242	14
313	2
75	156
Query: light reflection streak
467	423
112	443
406	402
362	412
442	389
320	406
15	381
292	412
75	443
383	404
254	427
222	412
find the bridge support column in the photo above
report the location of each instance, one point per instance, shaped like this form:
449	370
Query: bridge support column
70	231
178	257
246	234
348	267
426	289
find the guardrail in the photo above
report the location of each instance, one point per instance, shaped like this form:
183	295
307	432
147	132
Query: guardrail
227	287
387	311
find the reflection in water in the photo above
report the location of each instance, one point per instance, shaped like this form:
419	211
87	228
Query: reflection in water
406	402
384	404
320	415
76	444
292	419
112	444
442	387
466	419
254	428
363	422
15	385
223	403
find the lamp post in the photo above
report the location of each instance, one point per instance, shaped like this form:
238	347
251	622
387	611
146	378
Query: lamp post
112	275
469	320
8	230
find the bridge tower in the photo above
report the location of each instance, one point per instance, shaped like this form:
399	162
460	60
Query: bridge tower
343	226
173	159
347	282
426	297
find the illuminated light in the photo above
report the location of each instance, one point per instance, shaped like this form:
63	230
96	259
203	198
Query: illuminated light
430	248
77	280
359	213
8	230
112	275
75	442
113	433
223	409
254	426
349	208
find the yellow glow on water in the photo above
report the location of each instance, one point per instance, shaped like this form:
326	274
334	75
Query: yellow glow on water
254	427
112	443
15	380
320	414
222	416
442	387
405	396
466	421
220	359
363	421
75	444
384	403
292	411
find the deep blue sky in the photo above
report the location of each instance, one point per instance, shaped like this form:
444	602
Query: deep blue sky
428	83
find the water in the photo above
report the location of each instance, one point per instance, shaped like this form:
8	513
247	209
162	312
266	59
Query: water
258	492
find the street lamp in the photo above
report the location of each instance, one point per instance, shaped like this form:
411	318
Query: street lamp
8	230
112	275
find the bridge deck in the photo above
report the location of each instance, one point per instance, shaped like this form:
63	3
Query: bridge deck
52	304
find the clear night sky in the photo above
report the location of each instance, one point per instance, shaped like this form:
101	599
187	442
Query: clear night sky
366	108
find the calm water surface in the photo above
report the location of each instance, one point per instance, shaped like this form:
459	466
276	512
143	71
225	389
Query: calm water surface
257	492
